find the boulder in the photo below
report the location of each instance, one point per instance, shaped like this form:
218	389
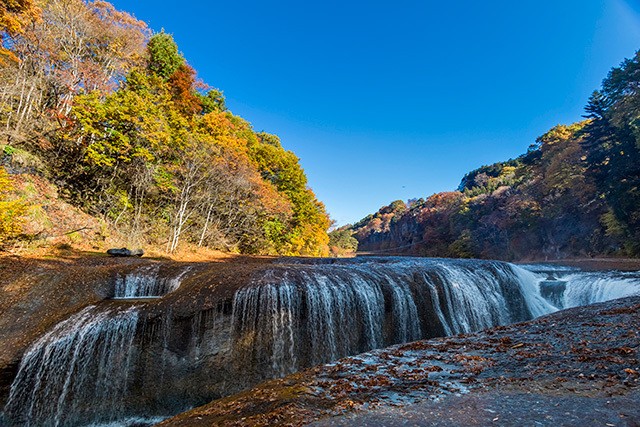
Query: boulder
125	252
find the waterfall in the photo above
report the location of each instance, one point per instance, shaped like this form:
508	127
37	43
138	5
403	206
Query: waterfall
78	372
590	287
146	282
104	366
300	318
530	286
566	287
301	314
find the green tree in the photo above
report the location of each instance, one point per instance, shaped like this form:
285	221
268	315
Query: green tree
164	57
341	242
612	142
212	101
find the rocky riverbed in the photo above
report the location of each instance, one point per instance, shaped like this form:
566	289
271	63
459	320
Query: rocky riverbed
575	367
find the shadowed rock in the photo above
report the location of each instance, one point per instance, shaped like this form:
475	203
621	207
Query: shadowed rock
575	367
124	252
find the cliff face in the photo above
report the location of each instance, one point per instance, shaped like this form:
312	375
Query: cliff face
403	235
575	367
38	294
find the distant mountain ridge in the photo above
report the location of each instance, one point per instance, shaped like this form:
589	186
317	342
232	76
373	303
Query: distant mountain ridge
576	192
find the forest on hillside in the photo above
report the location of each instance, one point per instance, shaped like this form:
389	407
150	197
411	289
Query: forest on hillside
112	114
576	192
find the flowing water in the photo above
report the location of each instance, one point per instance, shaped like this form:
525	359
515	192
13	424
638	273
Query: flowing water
566	287
146	282
93	368
78	371
305	314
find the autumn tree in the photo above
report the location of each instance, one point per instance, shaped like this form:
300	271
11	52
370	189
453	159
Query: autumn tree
15	15
612	142
133	136
76	47
11	209
306	234
182	86
342	242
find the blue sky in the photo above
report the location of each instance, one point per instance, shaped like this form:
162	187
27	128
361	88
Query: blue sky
396	100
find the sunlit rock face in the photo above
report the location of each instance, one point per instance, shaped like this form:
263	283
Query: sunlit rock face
156	349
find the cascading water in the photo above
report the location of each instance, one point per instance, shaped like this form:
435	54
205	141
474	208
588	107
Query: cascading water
77	372
306	314
146	282
589	288
568	287
305	318
103	365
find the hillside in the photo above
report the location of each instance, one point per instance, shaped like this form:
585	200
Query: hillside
106	129
575	193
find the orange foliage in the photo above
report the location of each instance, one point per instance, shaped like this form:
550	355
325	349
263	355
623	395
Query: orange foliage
182	84
220	126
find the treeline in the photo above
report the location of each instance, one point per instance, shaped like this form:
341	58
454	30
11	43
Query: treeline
576	192
116	117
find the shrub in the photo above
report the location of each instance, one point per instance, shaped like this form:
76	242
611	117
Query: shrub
11	209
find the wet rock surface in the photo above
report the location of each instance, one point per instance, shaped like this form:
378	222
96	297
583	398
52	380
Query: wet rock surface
504	408
38	293
192	323
575	367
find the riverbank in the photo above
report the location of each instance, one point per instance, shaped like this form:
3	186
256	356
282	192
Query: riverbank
575	367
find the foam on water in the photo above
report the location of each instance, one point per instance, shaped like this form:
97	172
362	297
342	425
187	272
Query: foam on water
78	371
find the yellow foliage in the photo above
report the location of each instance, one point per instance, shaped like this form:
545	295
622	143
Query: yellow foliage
507	171
225	133
14	17
11	210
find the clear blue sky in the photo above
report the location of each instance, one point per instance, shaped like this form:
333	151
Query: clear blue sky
396	100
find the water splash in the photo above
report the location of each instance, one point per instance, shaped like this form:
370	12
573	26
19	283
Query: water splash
77	372
566	287
591	287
